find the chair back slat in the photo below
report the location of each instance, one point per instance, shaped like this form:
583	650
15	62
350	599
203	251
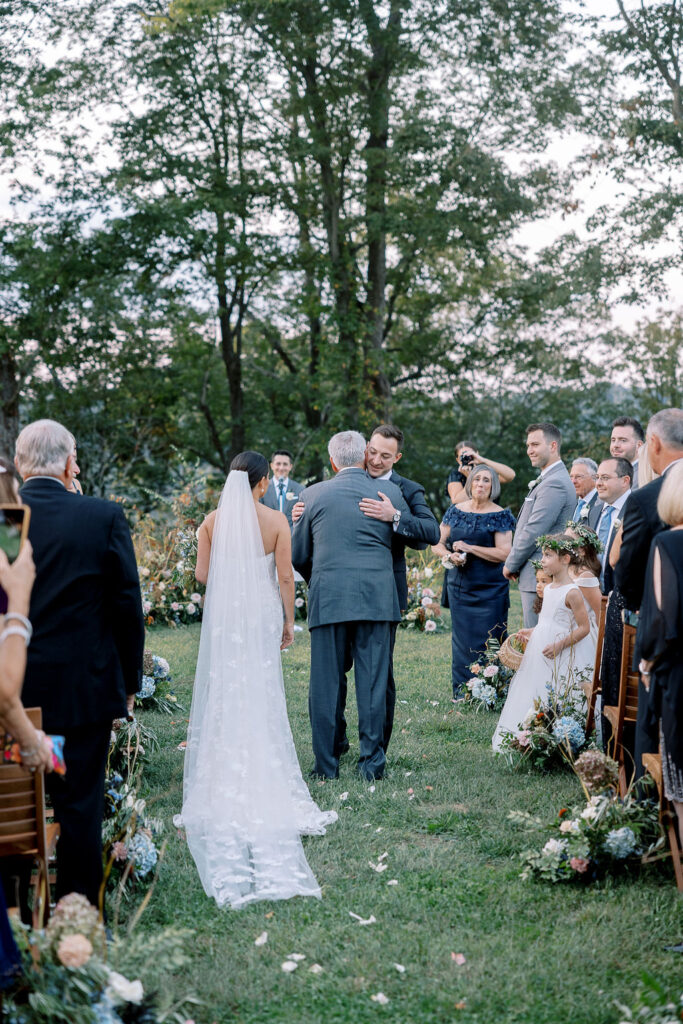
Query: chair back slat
22	813
592	694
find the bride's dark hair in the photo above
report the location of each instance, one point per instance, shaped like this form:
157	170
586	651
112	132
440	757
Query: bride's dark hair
252	463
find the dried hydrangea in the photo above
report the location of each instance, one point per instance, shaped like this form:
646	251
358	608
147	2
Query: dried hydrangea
597	771
74	915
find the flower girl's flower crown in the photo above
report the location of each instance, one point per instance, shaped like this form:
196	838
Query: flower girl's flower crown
587	536
560	543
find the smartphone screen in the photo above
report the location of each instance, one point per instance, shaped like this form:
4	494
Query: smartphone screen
11	524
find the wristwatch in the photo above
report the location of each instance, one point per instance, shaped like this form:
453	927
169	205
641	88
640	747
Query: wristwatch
396	518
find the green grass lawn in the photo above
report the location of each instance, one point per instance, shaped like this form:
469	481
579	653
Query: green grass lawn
535	953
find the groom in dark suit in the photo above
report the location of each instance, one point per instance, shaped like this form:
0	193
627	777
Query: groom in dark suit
417	530
346	557
282	492
85	659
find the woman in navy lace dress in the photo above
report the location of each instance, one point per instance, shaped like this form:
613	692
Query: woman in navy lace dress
476	537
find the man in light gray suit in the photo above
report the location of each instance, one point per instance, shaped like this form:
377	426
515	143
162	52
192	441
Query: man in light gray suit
347	558
588	506
546	509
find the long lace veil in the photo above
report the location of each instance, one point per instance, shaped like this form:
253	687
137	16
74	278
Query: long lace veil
245	803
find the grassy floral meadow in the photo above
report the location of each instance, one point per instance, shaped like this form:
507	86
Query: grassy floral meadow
475	942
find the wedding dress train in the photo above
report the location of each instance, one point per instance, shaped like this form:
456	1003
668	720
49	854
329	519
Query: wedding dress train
245	803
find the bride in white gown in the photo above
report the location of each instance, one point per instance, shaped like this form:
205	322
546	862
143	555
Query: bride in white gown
561	647
245	803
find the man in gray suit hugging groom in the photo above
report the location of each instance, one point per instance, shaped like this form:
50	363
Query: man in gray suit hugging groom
546	509
346	556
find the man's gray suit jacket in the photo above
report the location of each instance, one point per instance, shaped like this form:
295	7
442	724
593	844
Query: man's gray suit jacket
272	500
545	510
345	554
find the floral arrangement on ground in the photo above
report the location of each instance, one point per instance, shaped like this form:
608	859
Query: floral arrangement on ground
129	834
606	835
70	974
155	693
165	542
552	733
490	679
423	611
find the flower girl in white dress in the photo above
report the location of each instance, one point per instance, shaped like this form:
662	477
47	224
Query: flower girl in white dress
560	649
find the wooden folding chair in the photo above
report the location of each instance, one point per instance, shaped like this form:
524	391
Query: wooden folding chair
626	710
652	763
24	832
593	687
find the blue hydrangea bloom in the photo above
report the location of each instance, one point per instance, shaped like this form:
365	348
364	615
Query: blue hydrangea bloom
143	853
620	842
104	1011
488	695
567	729
148	687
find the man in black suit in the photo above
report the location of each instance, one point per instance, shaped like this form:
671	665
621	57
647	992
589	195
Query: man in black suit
641	524
417	531
85	659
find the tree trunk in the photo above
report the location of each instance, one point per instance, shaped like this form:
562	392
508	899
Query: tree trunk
9	397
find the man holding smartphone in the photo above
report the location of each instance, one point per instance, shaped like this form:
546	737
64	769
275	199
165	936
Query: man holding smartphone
85	659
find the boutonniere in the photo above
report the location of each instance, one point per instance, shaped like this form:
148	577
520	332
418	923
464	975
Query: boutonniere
616	525
534	483
290	495
585	512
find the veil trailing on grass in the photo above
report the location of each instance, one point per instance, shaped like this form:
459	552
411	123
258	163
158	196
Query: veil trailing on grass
245	803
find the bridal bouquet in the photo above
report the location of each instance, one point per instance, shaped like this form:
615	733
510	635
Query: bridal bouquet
490	679
553	732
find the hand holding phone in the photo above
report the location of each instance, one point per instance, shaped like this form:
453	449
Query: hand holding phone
16	579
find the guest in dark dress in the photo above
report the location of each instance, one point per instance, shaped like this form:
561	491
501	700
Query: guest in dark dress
476	536
659	643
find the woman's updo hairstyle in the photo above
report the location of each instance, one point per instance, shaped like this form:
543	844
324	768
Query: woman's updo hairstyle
253	464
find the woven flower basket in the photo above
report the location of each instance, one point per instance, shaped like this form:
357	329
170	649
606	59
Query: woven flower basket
509	655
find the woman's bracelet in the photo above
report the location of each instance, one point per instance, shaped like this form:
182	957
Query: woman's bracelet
26	623
15	631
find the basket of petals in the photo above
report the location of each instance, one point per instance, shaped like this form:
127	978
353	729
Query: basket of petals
512	651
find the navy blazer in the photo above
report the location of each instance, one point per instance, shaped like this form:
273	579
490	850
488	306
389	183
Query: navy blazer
416	530
272	500
86	609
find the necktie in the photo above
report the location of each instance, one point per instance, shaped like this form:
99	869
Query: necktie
578	510
604	529
281	496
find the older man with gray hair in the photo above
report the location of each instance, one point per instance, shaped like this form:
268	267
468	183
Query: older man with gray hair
346	557
85	660
588	506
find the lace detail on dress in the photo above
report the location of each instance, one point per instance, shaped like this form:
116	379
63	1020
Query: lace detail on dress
497	522
245	803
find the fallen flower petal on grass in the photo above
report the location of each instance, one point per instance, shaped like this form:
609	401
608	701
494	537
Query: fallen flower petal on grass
343	796
410	791
372	789
380	998
363	920
379	867
393	881
261	939
316	969
429	789
408	774
368	824
378	829
289	965
296	956
181	746
271	913
400	968
458	958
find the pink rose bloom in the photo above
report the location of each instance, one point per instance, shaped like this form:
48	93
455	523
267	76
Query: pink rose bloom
523	738
579	864
428	592
175	607
120	851
74	950
475	669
